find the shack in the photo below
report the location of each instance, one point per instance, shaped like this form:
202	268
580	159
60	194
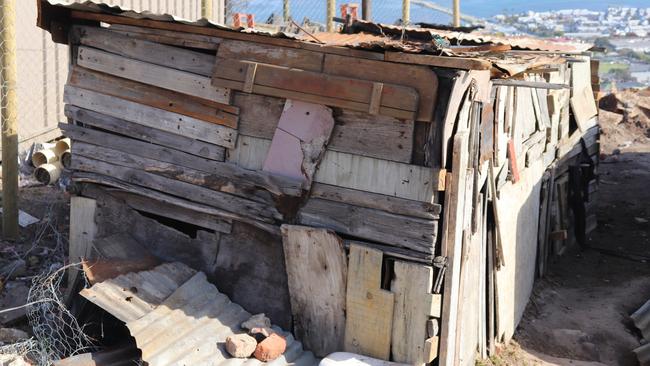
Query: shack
387	191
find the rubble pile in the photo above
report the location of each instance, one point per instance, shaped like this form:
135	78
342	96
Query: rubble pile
625	118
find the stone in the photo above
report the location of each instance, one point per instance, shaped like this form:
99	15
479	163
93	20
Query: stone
11	335
241	345
264	331
270	348
257	321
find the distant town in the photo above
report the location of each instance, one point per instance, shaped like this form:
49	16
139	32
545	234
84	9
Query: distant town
624	33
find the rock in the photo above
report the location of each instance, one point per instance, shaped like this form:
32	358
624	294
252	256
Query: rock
11	335
257	321
260	333
14	269
640	220
270	348
241	345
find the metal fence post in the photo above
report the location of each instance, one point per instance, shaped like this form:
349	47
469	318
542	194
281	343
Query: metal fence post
9	117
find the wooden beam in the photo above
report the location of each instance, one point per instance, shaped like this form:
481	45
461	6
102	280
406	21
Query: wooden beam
9	120
529	84
438	61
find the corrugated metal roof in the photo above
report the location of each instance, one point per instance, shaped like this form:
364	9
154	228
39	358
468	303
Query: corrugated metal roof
133	295
190	326
118	356
641	319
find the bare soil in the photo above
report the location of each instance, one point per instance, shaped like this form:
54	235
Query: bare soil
579	313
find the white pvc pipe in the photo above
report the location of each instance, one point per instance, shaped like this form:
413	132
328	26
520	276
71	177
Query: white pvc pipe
46	156
48	173
61	146
66	159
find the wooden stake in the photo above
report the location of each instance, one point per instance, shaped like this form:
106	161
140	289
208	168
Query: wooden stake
406	12
456	13
286	10
331	13
9	120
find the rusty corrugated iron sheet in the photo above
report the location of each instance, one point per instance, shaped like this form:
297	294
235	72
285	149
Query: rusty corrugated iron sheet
189	326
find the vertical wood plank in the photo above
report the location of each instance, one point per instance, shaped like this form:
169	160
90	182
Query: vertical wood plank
82	231
317	271
369	308
412	286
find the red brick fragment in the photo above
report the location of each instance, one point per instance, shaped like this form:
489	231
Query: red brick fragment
270	348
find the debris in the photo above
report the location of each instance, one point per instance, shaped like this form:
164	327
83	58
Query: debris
257	321
263	332
353	359
11	335
241	345
640	220
25	219
270	348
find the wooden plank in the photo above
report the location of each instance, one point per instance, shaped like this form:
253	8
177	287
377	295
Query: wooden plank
179	39
148	52
583	107
378	176
369	308
421	78
224	201
431	349
380	137
225	183
315	83
438	61
317	272
411	284
380	226
160	76
530	84
148	205
299	141
397	101
144	133
249	153
395	252
452	241
376	201
94	178
274	55
218	172
151	96
259	114
82	233
151	117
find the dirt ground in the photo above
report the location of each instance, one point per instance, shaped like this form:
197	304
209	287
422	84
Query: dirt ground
579	313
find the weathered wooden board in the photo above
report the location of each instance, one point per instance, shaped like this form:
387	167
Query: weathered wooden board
380	226
212	181
412	284
378	176
280	56
397	101
149	52
299	140
186	40
395	252
224	201
144	133
160	76
317	272
152	206
369	308
151	117
249	152
422	78
376	201
83	230
378	137
219	173
438	61
259	114
151	96
583	107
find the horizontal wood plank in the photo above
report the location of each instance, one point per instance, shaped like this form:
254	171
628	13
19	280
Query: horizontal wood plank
160	76
172	38
396	205
280	56
149	52
151	117
224	201
259	114
378	176
375	225
219	173
151	96
144	133
379	137
438	61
